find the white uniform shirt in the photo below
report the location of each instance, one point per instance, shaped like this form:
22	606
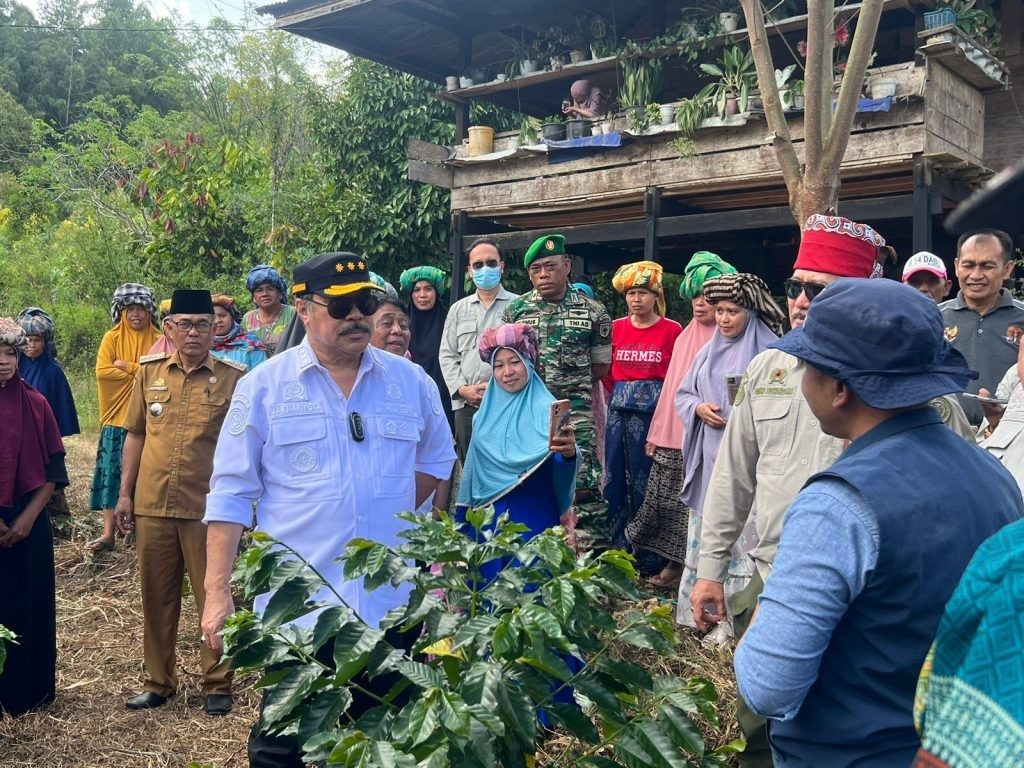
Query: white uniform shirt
286	445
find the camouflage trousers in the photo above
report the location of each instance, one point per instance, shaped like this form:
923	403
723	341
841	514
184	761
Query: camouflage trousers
591	508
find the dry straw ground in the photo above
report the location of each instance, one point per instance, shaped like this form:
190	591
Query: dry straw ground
99	666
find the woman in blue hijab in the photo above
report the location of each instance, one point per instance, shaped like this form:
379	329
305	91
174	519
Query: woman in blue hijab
510	462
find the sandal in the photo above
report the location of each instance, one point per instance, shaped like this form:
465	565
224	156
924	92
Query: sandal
669	578
99	545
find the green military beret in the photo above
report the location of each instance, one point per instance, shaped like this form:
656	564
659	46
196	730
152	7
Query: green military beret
549	245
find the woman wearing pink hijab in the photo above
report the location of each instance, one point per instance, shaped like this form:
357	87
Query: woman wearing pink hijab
660	524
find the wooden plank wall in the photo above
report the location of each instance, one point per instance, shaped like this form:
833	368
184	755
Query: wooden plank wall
954	115
1004	110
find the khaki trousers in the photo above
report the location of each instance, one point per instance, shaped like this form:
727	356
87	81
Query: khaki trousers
167	548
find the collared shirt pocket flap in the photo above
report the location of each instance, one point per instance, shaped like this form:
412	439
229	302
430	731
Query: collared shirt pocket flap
398	428
293	431
1003	435
158	397
215	399
771	408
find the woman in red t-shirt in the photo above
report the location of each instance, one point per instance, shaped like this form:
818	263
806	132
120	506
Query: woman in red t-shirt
642	346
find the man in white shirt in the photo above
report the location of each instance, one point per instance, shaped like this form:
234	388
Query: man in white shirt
330	440
464	373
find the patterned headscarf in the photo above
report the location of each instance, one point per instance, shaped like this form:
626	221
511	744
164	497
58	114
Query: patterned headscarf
750	292
132	293
36	322
520	337
228	303
702	267
641	274
12	334
838	246
264	273
432	275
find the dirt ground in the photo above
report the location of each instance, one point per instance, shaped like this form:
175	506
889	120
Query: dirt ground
99	666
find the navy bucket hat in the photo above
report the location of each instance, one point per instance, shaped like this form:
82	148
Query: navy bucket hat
882	338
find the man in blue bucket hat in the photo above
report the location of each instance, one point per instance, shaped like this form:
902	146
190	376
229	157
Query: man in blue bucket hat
872	547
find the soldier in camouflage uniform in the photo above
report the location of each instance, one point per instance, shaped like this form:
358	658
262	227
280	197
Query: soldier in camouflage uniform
575	351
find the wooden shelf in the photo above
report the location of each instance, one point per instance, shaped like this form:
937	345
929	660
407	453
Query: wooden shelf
593	66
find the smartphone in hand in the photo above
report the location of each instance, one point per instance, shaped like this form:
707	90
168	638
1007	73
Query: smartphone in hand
560	412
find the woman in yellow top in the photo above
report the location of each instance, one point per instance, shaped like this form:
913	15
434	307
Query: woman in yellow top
133	312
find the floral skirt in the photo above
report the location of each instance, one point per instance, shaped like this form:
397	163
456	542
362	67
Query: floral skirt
106	478
741	567
660	524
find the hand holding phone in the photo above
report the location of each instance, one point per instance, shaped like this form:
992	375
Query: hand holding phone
985	398
560	433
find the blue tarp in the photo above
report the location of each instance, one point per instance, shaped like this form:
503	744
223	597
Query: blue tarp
573	149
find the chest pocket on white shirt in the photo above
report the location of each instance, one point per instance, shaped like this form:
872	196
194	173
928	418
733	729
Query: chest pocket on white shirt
395	452
302	451
774	427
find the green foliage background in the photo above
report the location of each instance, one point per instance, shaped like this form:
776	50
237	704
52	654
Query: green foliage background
133	149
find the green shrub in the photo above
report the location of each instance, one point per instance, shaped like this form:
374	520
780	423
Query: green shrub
489	661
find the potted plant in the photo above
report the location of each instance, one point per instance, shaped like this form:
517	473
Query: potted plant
578	128
782	86
465	79
554	47
553	128
603	40
881	86
796	90
736	76
641	82
666	113
728	14
691	112
529	131
526	54
580	41
451	82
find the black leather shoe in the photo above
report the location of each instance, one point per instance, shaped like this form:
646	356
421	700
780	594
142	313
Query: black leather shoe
218	704
146	700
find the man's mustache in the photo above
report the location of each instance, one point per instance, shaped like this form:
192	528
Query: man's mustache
348	330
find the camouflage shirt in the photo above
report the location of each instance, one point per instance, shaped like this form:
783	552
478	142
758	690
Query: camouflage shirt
574	334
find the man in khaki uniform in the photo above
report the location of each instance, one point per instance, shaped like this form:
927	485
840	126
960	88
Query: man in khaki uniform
174	417
773	444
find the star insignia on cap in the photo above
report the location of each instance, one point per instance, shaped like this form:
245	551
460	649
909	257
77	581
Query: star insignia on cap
339	267
362	265
549	245
351	267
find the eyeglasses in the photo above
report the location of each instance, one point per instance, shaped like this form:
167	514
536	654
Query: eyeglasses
187	325
795	287
492	263
339	307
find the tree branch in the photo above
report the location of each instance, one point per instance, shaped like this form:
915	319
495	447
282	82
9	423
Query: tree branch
789	163
838	137
818	79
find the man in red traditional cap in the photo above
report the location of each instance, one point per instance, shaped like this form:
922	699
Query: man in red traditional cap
773	444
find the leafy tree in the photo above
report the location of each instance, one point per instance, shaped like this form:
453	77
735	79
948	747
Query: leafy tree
15	133
192	194
491	663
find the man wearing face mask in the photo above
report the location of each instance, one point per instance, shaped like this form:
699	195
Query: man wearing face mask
464	373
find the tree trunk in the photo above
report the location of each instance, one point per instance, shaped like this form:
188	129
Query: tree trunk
813	185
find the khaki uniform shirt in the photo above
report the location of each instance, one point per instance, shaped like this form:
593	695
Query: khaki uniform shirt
1006	442
460	361
180	416
772	445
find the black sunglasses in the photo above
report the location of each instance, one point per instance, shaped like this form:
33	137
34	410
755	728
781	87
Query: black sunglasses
492	263
795	287
338	307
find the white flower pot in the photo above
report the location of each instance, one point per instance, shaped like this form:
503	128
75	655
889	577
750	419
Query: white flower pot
729	21
527	67
667	113
881	86
451	82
